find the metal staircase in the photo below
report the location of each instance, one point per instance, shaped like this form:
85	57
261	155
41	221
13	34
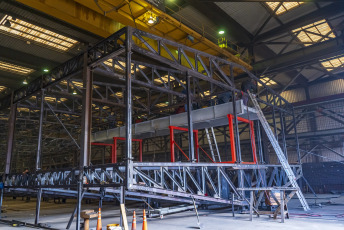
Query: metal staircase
213	145
279	152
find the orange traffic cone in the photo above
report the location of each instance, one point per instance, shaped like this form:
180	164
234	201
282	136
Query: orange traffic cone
144	224
133	226
99	221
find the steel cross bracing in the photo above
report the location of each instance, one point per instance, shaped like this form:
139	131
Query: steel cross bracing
205	182
279	152
106	54
128	55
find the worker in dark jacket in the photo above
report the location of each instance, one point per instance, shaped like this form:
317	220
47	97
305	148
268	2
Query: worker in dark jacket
224	98
248	85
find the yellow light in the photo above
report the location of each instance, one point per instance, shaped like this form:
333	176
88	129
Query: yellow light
162	104
28	31
2	88
150	18
15	68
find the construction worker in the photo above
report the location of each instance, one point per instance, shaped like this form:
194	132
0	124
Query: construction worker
224	98
248	85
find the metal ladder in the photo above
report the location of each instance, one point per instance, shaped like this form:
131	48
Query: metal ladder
279	152
211	135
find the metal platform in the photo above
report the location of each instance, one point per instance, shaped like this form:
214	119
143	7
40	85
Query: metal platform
213	116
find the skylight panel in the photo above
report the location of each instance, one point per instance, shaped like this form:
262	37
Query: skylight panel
267	81
333	63
15	68
316	32
25	30
284	7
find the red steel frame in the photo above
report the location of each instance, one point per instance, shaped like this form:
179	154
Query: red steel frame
115	139
232	142
113	152
172	143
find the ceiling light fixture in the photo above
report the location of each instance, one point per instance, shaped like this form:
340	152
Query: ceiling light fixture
25	82
74	92
150	18
221	32
45	70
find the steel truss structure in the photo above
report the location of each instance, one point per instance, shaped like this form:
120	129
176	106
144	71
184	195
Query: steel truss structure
181	75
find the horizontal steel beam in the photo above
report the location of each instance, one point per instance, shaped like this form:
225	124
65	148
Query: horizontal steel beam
301	57
319	14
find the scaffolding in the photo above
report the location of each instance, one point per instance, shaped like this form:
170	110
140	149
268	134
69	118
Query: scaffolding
180	76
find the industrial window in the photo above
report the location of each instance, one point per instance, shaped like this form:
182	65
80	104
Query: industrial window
316	32
267	81
283	7
28	31
333	63
15	68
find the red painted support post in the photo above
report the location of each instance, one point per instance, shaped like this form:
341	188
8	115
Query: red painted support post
196	145
123	139
253	142
252	137
172	144
231	135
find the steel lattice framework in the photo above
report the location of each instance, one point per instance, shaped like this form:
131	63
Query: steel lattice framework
128	56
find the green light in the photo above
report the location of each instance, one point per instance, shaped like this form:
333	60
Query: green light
221	32
45	70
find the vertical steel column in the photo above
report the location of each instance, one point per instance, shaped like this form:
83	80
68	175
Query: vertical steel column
189	114
233	212
78	205
1	197
38	205
282	206
237	135
284	143
251	205
40	132
128	124
259	141
274	116
86	114
121	201
10	137
296	137
236	125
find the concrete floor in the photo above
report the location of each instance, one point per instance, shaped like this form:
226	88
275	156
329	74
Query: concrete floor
327	216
